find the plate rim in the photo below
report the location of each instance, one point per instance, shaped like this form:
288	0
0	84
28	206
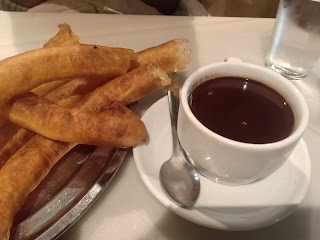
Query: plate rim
205	220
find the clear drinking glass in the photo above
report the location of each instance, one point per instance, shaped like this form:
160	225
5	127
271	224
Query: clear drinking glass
295	43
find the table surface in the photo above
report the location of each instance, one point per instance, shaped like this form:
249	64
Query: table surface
127	210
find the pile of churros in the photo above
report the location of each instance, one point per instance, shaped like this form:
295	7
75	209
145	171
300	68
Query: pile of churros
67	93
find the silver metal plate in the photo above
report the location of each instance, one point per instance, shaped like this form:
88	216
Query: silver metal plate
70	188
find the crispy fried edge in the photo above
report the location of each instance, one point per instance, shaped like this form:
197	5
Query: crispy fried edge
113	125
33	68
171	56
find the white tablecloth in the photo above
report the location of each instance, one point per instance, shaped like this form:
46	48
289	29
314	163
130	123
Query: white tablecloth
126	210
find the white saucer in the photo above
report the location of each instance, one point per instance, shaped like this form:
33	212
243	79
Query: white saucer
245	207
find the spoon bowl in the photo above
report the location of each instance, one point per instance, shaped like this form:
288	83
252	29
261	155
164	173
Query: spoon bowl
180	182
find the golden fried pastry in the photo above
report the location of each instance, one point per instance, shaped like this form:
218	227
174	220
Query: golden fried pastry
114	125
126	89
132	86
39	154
171	56
33	68
64	37
23	173
13	137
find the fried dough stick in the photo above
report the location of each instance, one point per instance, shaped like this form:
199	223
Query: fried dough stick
23	173
115	126
125	89
133	86
12	136
53	121
64	37
8	129
171	56
28	70
73	87
40	154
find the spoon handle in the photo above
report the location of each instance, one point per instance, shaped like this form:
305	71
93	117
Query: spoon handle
173	100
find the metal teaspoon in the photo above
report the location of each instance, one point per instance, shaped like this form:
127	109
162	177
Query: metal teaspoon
178	177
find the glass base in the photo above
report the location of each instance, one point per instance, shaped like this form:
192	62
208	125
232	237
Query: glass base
286	72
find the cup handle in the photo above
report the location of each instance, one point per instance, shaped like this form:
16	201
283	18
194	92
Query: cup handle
232	59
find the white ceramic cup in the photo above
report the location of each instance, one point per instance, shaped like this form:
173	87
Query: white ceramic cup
231	162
